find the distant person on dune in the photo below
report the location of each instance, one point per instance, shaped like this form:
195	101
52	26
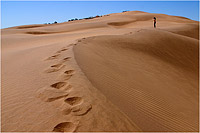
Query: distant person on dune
154	21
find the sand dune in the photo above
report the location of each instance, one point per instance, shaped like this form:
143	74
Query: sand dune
150	74
112	73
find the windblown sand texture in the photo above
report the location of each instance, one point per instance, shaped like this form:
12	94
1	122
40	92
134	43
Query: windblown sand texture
112	73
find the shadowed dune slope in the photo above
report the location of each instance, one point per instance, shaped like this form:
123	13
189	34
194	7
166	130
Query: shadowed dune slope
190	30
151	75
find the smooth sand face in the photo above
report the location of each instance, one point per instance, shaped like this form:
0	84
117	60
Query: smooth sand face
113	73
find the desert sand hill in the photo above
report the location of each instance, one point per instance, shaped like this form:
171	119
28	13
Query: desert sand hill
112	73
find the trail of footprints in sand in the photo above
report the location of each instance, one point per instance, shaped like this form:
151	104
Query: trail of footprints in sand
73	105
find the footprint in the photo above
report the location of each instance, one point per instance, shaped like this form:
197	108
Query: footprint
61	86
73	100
53	57
67	58
65	127
64	49
58	85
81	109
67	75
54	68
139	30
69	72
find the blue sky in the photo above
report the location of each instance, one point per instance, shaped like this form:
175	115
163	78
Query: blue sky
14	13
